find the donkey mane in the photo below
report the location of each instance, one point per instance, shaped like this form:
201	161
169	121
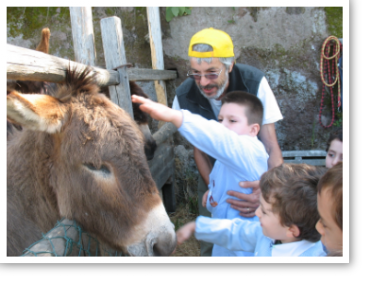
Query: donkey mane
77	83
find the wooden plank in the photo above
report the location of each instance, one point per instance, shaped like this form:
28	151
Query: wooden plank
155	37
163	154
115	58
140	74
304	153
83	35
27	64
164	132
310	157
313	162
165	173
162	165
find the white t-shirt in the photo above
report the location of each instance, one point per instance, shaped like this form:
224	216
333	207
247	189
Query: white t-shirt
291	249
271	110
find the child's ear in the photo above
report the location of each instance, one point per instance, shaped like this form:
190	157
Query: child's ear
255	128
293	231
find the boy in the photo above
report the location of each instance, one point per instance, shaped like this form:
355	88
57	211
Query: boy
287	213
334	149
233	143
330	207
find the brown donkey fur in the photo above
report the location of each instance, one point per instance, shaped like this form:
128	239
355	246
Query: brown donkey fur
80	156
34	87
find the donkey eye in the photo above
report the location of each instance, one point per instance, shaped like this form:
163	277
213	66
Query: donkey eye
104	169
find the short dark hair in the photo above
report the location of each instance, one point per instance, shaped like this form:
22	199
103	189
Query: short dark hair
332	181
253	105
335	135
291	189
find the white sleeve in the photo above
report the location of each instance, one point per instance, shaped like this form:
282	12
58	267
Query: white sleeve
175	104
271	110
235	234
243	154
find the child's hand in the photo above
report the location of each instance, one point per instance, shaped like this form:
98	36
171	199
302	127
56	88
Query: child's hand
204	199
185	232
158	111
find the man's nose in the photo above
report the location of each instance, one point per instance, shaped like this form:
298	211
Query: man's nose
204	81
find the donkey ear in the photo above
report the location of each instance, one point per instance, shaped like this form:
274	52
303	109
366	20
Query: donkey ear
36	112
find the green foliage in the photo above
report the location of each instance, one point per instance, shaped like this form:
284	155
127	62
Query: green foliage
178	224
232	21
313	134
177	12
334	20
338	116
193	205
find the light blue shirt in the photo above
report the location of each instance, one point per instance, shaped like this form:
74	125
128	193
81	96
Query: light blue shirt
238	158
245	235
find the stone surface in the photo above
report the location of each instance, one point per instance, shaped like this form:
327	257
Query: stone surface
284	42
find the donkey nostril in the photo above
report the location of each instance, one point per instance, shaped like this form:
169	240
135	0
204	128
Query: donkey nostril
156	251
164	245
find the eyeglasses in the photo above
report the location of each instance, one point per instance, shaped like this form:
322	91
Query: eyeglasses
209	76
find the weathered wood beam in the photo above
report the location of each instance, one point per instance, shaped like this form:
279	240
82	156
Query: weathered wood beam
83	35
27	64
115	58
155	37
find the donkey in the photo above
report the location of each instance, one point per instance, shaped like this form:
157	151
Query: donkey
34	87
80	156
31	87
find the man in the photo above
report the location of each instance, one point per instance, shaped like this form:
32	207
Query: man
214	73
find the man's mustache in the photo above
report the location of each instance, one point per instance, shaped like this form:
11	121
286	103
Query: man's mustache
208	86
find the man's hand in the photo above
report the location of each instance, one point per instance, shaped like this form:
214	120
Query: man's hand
185	232
204	199
158	111
249	202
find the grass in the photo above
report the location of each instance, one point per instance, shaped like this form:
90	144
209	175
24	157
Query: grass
191	247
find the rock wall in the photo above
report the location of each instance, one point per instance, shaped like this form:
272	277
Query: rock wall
284	42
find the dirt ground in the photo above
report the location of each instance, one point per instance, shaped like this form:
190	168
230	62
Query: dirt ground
182	216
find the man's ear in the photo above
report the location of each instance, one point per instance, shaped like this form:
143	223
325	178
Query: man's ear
255	129
293	231
231	67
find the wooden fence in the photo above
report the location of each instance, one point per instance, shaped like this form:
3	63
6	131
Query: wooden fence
26	64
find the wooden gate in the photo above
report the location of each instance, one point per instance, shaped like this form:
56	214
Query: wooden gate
26	64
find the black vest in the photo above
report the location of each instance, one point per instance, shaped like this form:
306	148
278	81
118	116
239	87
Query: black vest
242	78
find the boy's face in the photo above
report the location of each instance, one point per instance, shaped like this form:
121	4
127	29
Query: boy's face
331	234
270	222
335	153
233	117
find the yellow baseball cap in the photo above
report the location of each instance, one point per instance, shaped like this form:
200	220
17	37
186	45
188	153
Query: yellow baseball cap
219	40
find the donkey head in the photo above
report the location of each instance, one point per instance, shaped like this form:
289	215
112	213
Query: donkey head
98	173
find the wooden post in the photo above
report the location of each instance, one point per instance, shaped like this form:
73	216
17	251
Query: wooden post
83	35
26	64
155	36
115	58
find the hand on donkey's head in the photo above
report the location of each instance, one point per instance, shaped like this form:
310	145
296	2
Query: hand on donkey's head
159	111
